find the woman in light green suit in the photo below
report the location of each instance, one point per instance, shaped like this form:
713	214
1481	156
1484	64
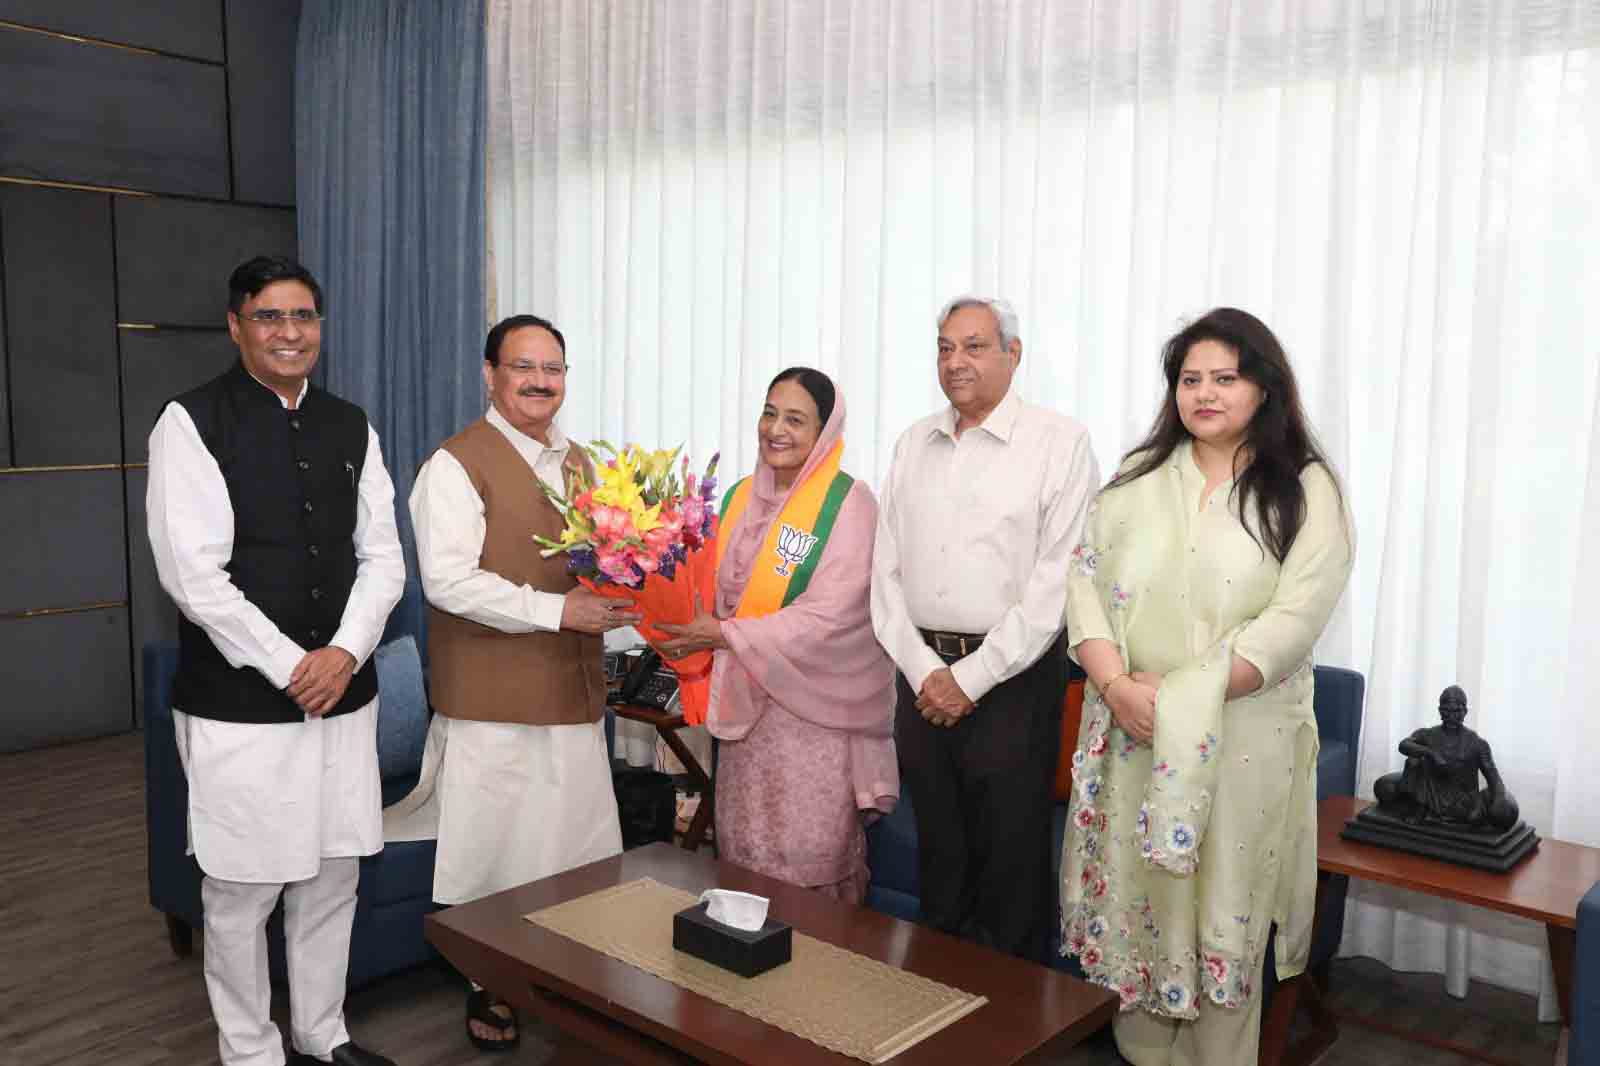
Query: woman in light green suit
1210	566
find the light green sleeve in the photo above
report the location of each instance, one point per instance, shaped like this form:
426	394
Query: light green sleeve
1086	612
1310	583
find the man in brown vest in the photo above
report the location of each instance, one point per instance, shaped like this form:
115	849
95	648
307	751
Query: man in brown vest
516	783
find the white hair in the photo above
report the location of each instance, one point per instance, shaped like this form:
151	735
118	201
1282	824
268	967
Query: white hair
1005	315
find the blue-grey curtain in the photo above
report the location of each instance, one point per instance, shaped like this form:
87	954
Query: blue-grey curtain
389	148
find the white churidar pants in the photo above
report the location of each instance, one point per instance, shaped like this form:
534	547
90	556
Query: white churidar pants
317	915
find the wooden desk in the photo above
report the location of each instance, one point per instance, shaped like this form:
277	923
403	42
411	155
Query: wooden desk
1545	887
667	726
604	1006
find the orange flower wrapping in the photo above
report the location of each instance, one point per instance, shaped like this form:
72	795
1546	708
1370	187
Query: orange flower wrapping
664	600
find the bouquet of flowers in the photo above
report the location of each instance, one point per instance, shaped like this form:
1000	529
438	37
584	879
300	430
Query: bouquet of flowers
645	529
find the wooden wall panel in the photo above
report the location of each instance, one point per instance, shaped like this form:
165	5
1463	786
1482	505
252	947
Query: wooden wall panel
5	371
261	93
183	27
61	334
73	263
105	116
174	256
64	539
154	617
157	365
67	678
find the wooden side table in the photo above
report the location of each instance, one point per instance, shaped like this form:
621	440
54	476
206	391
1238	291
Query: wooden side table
1545	887
667	726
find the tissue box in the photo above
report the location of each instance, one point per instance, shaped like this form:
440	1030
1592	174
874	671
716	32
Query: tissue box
746	954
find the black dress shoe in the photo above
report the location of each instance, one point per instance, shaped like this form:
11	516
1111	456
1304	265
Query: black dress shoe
350	1054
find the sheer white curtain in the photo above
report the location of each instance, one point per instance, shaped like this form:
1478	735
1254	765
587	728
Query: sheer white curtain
702	192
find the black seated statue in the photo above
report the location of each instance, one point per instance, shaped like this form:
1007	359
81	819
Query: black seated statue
1439	784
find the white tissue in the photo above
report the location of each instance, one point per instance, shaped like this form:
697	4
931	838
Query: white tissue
738	909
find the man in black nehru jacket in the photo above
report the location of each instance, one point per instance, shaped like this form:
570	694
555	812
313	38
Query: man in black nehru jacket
271	517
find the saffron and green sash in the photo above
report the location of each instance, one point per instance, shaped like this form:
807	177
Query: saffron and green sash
796	539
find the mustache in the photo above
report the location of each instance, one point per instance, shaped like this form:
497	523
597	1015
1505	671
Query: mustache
547	394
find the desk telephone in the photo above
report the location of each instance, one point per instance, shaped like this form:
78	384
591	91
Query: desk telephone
646	681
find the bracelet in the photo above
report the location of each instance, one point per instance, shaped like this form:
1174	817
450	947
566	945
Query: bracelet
1105	689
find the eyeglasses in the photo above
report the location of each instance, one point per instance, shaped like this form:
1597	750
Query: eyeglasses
522	370
973	349
269	317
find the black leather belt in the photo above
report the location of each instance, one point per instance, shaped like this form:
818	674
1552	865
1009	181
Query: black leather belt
952	645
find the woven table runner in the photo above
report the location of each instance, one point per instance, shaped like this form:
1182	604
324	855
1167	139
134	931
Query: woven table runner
843	1001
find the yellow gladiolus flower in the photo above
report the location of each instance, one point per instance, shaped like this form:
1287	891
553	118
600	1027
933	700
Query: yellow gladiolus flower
657	464
646	518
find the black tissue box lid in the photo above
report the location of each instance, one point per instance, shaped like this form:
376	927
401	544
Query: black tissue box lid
744	953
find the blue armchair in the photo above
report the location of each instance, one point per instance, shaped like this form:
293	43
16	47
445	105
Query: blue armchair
892	841
1583	1042
396	888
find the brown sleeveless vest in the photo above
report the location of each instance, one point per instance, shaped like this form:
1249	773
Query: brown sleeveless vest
482	674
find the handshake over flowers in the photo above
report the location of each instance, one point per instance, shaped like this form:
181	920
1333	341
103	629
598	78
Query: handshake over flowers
644	529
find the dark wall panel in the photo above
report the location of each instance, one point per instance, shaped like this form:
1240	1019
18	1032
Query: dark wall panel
155	617
63	350
64	539
261	34
106	116
5	373
158	365
66	678
186	27
174	256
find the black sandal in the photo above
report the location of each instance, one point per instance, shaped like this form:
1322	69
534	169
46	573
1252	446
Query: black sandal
480	1009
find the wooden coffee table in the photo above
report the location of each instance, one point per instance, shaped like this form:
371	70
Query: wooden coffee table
1545	887
602	1005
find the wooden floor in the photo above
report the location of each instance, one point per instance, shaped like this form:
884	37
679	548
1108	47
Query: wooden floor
86	976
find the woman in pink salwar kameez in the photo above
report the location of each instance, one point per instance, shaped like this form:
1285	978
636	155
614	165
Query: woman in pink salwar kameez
802	696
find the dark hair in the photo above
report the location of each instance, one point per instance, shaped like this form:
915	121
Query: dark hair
1278	441
253	275
814	381
497	335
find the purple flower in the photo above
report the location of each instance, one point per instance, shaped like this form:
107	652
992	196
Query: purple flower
581	561
668	565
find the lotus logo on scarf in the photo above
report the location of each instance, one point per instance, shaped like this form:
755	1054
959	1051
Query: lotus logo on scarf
793	547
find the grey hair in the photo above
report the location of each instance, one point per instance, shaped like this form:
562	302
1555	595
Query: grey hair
1004	315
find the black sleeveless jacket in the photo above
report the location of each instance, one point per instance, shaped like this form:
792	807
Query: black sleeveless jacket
292	479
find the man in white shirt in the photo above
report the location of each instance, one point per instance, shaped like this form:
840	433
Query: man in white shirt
984	502
516	783
271	518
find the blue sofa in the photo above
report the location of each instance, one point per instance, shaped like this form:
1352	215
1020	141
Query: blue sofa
892	841
396	889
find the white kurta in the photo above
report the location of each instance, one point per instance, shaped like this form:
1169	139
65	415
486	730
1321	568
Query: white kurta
268	802
508	803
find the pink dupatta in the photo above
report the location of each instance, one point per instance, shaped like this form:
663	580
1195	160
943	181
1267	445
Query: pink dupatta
817	658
